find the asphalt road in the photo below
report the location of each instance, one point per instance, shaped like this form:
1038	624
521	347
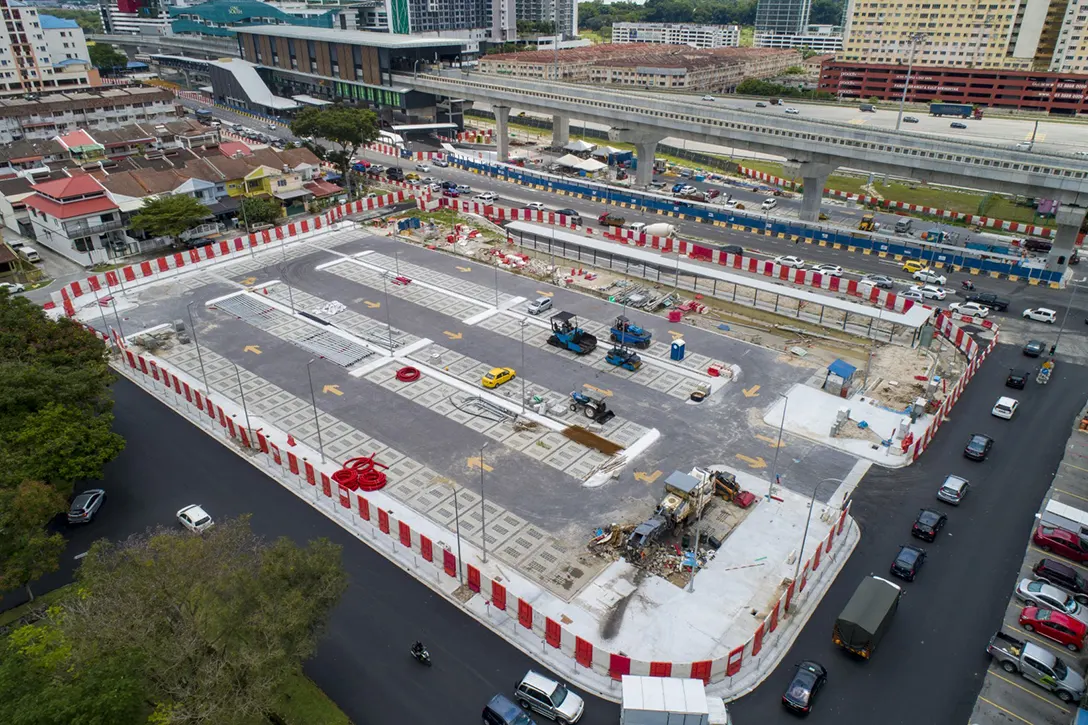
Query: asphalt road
363	661
930	665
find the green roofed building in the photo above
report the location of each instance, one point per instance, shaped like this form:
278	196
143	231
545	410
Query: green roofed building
222	18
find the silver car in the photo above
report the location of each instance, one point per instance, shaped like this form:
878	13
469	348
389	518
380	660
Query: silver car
953	490
1040	594
550	698
85	506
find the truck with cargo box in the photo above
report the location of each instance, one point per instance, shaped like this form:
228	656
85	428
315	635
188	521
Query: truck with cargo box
669	701
867	616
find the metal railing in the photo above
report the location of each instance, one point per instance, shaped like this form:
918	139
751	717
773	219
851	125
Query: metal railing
79	229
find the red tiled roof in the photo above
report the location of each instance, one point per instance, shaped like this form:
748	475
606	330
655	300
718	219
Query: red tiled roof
233	148
73	186
76	139
321	189
72	208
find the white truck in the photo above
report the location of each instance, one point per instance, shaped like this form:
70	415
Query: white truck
659	229
669	701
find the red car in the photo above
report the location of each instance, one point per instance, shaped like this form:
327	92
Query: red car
1051	539
1058	626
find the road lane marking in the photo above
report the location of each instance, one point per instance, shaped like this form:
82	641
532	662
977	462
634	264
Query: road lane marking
1007	712
1070	493
1030	692
1075	466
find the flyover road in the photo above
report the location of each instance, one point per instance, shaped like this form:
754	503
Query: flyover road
930	665
363	661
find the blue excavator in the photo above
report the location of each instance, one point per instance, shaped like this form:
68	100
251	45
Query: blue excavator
568	336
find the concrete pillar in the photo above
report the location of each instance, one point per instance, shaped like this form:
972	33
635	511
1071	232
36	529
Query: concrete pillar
560	131
502	127
1069	220
814	177
645	151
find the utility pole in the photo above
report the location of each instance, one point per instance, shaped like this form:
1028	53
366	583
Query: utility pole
781	429
317	420
914	41
483	503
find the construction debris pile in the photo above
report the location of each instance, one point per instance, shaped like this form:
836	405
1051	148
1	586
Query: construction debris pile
642	297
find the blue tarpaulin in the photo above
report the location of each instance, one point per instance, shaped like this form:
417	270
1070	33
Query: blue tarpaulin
841	368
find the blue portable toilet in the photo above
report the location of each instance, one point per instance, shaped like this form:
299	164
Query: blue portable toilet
677	352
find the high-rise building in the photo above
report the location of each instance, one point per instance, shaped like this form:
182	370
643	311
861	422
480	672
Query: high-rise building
1036	35
41	53
696	36
562	14
134	17
782	16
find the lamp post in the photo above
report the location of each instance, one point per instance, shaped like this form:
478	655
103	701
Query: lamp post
914	41
457	529
317	420
778	447
388	323
496	286
524	323
102	311
808	520
199	357
1072	296
290	292
483	503
242	394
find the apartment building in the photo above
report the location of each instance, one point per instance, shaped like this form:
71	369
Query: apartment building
60	113
782	16
41	53
695	36
562	14
134	17
75	217
1038	36
817	38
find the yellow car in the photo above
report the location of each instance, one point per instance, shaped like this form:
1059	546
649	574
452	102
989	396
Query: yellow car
913	265
411	177
497	376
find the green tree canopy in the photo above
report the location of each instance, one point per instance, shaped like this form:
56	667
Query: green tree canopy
223	618
105	57
349	127
256	211
169	216
89	20
27	549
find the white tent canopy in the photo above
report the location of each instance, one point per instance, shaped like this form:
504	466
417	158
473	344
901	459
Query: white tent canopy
580	146
591	165
606	151
570	160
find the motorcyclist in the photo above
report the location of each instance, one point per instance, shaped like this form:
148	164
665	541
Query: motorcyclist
418	649
968	284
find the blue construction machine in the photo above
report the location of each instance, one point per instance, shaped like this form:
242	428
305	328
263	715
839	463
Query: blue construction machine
568	336
629	334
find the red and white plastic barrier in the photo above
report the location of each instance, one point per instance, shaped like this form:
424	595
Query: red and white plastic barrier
380	523
74	294
982	221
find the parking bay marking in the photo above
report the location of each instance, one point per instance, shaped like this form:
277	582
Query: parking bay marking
1030	692
1006	711
1061	558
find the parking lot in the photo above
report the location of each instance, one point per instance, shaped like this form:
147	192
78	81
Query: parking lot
1007	697
543	501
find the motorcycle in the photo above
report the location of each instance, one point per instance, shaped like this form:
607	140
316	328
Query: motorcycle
968	285
422	656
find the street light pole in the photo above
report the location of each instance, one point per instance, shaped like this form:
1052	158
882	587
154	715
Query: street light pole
496	286
199	357
242	393
914	41
388	323
808	520
120	328
483	502
290	292
317	420
457	531
524	322
781	428
1072	296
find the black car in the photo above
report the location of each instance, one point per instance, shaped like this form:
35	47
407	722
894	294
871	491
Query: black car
957	124
1034	348
908	562
978	447
910	119
988	299
574	216
807	680
1017	379
85	506
928	524
395	173
449	184
1062	575
733	249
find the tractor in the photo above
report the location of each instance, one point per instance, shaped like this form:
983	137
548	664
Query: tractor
568	336
592	406
626	332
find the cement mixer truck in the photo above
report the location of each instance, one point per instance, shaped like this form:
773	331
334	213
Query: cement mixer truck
659	229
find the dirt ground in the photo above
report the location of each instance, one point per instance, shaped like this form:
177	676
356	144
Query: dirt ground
894	371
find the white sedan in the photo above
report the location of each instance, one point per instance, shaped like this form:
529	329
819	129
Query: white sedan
768	204
790	261
930	292
487	196
1041	314
928	275
833	270
792	111
11	287
1005	408
195	518
708	98
535	206
973	309
423	167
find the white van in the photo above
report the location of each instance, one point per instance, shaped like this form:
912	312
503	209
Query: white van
30	254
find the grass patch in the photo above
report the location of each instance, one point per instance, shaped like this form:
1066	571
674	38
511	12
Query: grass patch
45	600
301	702
747	36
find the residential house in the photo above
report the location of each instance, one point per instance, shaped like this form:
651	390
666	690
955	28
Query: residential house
77	218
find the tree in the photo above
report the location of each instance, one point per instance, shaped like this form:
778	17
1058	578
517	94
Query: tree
349	127
827	12
106	58
217	620
256	211
27	549
55	407
89	20
169	216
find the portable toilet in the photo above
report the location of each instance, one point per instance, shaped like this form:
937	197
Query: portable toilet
677	351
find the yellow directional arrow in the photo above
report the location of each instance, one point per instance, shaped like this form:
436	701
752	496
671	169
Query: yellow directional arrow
545	294
756	462
252	348
751	392
475	462
675	334
772	442
602	391
452	335
465	269
647	477
334	389
249	280
372	305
